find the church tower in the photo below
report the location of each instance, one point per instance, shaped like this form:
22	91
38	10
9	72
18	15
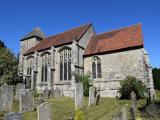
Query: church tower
28	41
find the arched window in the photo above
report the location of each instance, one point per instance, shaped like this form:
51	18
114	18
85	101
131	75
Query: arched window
30	66
44	68
93	70
96	68
65	64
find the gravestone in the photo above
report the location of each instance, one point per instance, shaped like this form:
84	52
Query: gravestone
46	93
134	102
19	86
132	114
58	92
78	95
91	96
124	113
13	116
97	98
44	111
7	97
26	100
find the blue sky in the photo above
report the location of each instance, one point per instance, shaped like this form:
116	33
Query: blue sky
18	17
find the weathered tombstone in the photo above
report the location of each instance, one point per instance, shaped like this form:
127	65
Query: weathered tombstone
97	98
26	100
124	113
134	102
13	116
78	95
46	93
58	92
132	115
7	97
91	96
44	111
19	86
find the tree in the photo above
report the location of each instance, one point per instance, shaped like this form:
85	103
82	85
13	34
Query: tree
132	84
8	65
156	78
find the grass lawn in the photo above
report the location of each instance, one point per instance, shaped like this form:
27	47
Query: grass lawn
63	108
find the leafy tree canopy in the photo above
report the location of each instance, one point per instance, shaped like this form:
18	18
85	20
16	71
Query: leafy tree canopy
8	65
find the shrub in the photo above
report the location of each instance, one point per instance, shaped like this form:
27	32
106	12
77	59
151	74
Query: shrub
86	83
79	115
131	84
156	78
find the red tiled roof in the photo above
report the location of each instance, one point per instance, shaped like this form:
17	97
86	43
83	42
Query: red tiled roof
115	40
60	39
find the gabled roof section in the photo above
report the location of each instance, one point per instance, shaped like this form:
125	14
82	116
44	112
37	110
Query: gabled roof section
123	38
61	38
36	32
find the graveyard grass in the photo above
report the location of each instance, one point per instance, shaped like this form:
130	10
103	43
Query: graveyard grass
63	108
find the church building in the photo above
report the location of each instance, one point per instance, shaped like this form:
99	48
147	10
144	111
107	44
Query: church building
108	57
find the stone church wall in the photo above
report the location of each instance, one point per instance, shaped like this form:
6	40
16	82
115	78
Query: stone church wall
116	67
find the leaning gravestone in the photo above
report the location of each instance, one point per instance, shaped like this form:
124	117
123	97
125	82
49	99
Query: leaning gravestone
44	111
19	86
26	100
78	95
91	96
13	116
134	102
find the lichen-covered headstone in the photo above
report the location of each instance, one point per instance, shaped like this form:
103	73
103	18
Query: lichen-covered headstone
134	102
44	111
7	97
91	96
78	95
13	116
19	86
26	100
